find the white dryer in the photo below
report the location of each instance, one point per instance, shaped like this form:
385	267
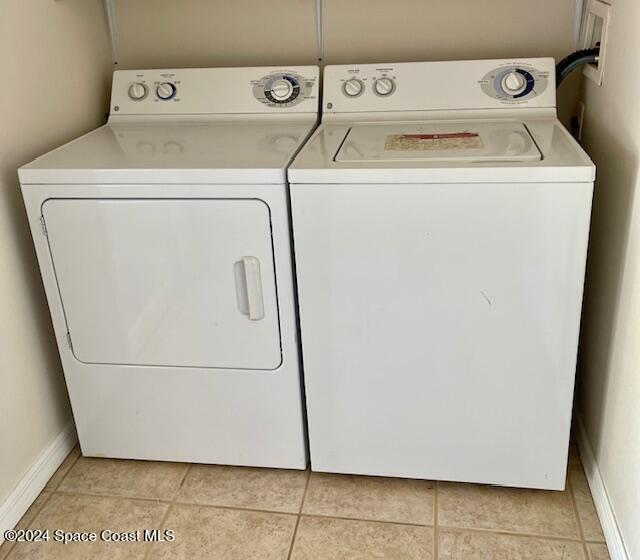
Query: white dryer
164	246
441	218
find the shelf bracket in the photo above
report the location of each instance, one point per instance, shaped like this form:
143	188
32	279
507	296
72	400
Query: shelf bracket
110	11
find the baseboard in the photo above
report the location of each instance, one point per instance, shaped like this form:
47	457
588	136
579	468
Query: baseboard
36	478
612	535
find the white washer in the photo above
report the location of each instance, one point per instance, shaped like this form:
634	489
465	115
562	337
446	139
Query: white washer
164	246
441	218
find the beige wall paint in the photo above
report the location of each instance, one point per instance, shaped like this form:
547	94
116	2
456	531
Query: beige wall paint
190	33
209	33
609	381
404	30
55	77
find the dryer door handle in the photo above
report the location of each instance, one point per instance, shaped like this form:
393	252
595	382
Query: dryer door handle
253	283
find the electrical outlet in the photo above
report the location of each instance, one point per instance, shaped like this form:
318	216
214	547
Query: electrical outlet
594	34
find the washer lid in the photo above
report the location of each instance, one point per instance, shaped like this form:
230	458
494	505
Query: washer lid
476	141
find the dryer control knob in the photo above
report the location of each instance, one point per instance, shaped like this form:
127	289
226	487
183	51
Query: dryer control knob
138	91
514	83
384	86
166	91
352	87
281	89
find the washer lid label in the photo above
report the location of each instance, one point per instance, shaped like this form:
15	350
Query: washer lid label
445	141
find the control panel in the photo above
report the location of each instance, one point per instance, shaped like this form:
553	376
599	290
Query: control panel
513	83
283	89
440	86
215	91
163	90
379	81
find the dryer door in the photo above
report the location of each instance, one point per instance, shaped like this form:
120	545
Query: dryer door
167	282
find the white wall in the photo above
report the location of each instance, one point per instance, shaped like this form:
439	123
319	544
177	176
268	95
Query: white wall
56	69
609	381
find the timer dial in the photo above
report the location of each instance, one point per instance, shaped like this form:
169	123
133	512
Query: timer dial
138	91
384	86
282	89
166	91
514	83
517	83
352	87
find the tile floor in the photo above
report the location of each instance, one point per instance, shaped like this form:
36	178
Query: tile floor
231	513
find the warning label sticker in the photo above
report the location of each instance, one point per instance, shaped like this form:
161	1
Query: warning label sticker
441	142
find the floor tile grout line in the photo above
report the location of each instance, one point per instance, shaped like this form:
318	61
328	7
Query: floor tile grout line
114	496
453	528
576	513
304	493
163	520
508	533
366	520
30	524
64	476
436	532
175	501
235	508
181	483
170	505
295	529
293	538
577	509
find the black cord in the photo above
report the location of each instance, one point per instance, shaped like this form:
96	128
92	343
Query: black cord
571	62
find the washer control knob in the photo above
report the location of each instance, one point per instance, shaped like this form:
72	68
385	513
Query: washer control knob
384	86
352	87
514	83
281	89
166	90
138	91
